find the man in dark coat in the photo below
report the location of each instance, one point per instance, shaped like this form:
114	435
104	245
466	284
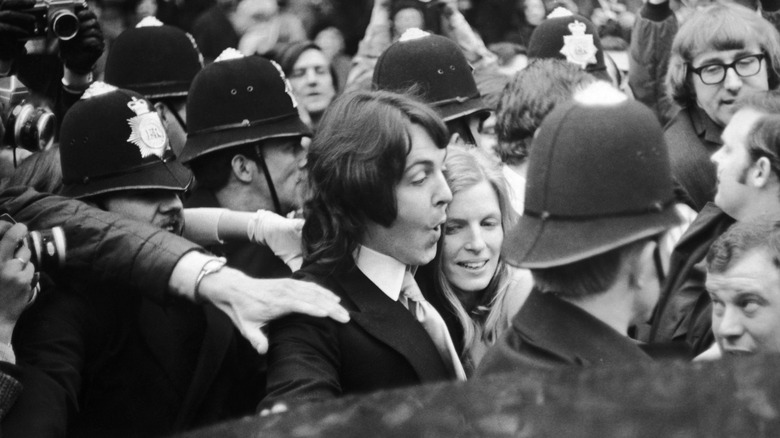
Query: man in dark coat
123	364
720	54
746	191
244	148
377	205
588	235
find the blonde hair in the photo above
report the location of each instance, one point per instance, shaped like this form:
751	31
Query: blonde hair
466	168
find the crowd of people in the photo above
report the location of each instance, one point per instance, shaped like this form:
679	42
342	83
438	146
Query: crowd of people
266	204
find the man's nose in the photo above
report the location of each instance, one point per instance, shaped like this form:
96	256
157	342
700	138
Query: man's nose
443	194
732	81
730	326
171	204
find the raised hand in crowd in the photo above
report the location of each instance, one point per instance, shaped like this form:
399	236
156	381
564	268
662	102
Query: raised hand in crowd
80	53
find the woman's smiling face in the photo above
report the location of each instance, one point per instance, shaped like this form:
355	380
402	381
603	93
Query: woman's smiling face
473	235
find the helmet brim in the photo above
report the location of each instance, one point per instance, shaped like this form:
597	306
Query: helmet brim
202	144
535	243
170	175
454	110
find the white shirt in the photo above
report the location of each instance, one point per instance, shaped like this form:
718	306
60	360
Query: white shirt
384	271
516	184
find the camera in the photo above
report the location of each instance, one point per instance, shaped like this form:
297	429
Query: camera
27	126
47	247
55	16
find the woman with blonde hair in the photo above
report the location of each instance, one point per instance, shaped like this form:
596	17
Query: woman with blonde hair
475	287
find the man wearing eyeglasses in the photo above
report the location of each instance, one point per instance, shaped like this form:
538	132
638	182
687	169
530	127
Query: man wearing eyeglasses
720	54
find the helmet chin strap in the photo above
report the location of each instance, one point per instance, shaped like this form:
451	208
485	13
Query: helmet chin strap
269	180
176	114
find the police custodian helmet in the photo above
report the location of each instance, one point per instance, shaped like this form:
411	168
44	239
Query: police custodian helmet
155	60
111	140
239	100
598	178
434	66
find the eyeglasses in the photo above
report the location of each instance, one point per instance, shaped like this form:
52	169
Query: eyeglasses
745	66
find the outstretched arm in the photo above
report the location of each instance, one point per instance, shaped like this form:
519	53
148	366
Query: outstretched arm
107	250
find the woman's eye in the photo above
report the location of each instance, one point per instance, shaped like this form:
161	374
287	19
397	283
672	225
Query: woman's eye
451	228
490	223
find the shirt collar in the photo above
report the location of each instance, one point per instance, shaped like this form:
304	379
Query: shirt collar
384	271
705	127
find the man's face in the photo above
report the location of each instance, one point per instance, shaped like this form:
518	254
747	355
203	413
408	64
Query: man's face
733	163
177	133
422	196
488	140
312	82
746	305
465	131
283	157
161	208
534	11
718	100
645	283
407	18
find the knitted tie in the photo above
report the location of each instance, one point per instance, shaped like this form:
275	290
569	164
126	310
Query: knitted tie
426	314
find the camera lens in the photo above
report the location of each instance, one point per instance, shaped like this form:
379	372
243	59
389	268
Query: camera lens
64	24
34	128
47	248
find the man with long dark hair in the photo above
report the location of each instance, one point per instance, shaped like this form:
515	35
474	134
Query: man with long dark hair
375	210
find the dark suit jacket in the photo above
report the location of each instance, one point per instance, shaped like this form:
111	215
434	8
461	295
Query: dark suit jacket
549	332
382	346
684	310
692	138
129	367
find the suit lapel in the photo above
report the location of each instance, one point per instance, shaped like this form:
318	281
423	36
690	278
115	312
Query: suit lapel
392	324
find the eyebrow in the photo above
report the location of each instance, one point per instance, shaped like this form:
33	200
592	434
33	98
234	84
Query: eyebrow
426	163
716	60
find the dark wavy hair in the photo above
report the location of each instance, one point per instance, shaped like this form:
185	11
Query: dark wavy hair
740	239
353	166
527	100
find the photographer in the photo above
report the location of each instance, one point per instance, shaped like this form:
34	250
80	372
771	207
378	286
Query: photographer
16	293
62	78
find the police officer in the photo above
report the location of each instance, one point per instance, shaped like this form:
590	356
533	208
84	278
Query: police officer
115	154
159	62
434	68
598	195
244	148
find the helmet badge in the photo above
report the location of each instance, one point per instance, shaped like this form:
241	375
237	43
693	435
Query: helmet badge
287	86
147	131
579	47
